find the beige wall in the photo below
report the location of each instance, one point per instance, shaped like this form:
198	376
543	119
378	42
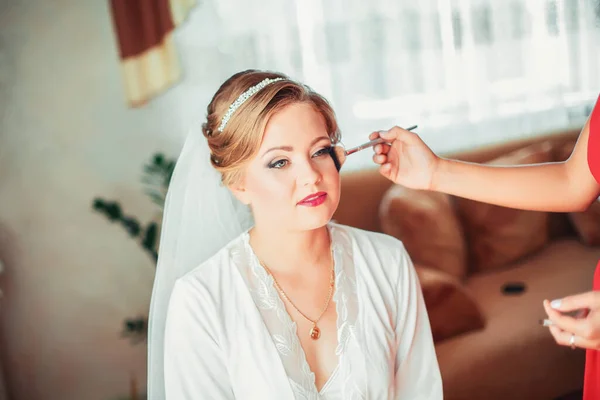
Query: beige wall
71	277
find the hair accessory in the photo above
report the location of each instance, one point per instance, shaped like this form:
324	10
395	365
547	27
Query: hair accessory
242	99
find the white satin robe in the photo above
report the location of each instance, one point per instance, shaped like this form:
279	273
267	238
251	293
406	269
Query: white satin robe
228	335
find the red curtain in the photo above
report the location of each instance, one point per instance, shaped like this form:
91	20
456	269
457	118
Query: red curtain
144	33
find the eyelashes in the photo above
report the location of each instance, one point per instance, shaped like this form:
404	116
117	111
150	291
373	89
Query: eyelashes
323	151
280	163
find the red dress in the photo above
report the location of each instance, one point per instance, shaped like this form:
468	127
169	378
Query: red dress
591	385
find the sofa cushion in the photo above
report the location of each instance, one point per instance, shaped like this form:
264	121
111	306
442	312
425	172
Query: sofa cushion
497	236
512	345
563	149
451	309
427	225
586	223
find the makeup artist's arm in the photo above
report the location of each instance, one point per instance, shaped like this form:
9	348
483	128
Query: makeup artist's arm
558	187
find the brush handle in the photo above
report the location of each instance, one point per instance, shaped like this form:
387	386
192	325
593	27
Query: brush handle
365	146
371	143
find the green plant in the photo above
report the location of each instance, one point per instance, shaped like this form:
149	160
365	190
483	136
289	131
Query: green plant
156	177
147	235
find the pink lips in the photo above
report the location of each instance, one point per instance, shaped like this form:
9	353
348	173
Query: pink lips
313	200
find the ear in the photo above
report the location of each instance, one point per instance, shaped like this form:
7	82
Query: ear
239	191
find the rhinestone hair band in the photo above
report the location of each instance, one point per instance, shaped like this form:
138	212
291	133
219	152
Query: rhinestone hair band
242	99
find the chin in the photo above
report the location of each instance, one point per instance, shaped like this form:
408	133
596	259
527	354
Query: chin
308	225
315	218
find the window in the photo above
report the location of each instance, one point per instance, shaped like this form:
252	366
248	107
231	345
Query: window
467	72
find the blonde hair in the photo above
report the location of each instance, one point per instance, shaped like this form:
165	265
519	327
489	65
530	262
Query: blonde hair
240	140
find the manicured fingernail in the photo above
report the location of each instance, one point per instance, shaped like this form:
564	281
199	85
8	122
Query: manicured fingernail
555	303
546	322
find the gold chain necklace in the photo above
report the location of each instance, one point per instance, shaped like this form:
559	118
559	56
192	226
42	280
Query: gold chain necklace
315	332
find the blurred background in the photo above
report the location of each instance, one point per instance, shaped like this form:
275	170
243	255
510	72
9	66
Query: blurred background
96	98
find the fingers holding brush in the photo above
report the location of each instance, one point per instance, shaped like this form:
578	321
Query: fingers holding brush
380	150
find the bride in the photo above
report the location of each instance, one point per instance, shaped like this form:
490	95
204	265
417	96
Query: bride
258	295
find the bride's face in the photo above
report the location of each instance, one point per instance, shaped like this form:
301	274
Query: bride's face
292	182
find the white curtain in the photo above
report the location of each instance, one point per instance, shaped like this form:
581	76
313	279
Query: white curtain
3	395
468	72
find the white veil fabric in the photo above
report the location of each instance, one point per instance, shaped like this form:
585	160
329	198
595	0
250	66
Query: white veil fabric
200	217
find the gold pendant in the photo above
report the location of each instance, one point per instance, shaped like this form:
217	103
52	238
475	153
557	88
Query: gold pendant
315	333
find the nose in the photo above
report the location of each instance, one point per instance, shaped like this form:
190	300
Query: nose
309	173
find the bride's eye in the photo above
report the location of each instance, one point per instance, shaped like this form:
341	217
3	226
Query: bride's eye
323	151
278	164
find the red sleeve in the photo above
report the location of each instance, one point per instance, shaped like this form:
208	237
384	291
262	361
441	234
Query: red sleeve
594	142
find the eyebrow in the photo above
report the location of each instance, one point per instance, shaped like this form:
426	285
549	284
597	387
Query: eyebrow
290	148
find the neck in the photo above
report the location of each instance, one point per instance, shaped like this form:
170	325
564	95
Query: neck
290	252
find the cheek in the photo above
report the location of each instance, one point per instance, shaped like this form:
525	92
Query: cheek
335	184
269	187
331	177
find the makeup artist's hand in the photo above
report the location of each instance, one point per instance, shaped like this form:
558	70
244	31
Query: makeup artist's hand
586	328
406	160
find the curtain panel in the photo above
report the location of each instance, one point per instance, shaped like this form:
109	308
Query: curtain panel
147	50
